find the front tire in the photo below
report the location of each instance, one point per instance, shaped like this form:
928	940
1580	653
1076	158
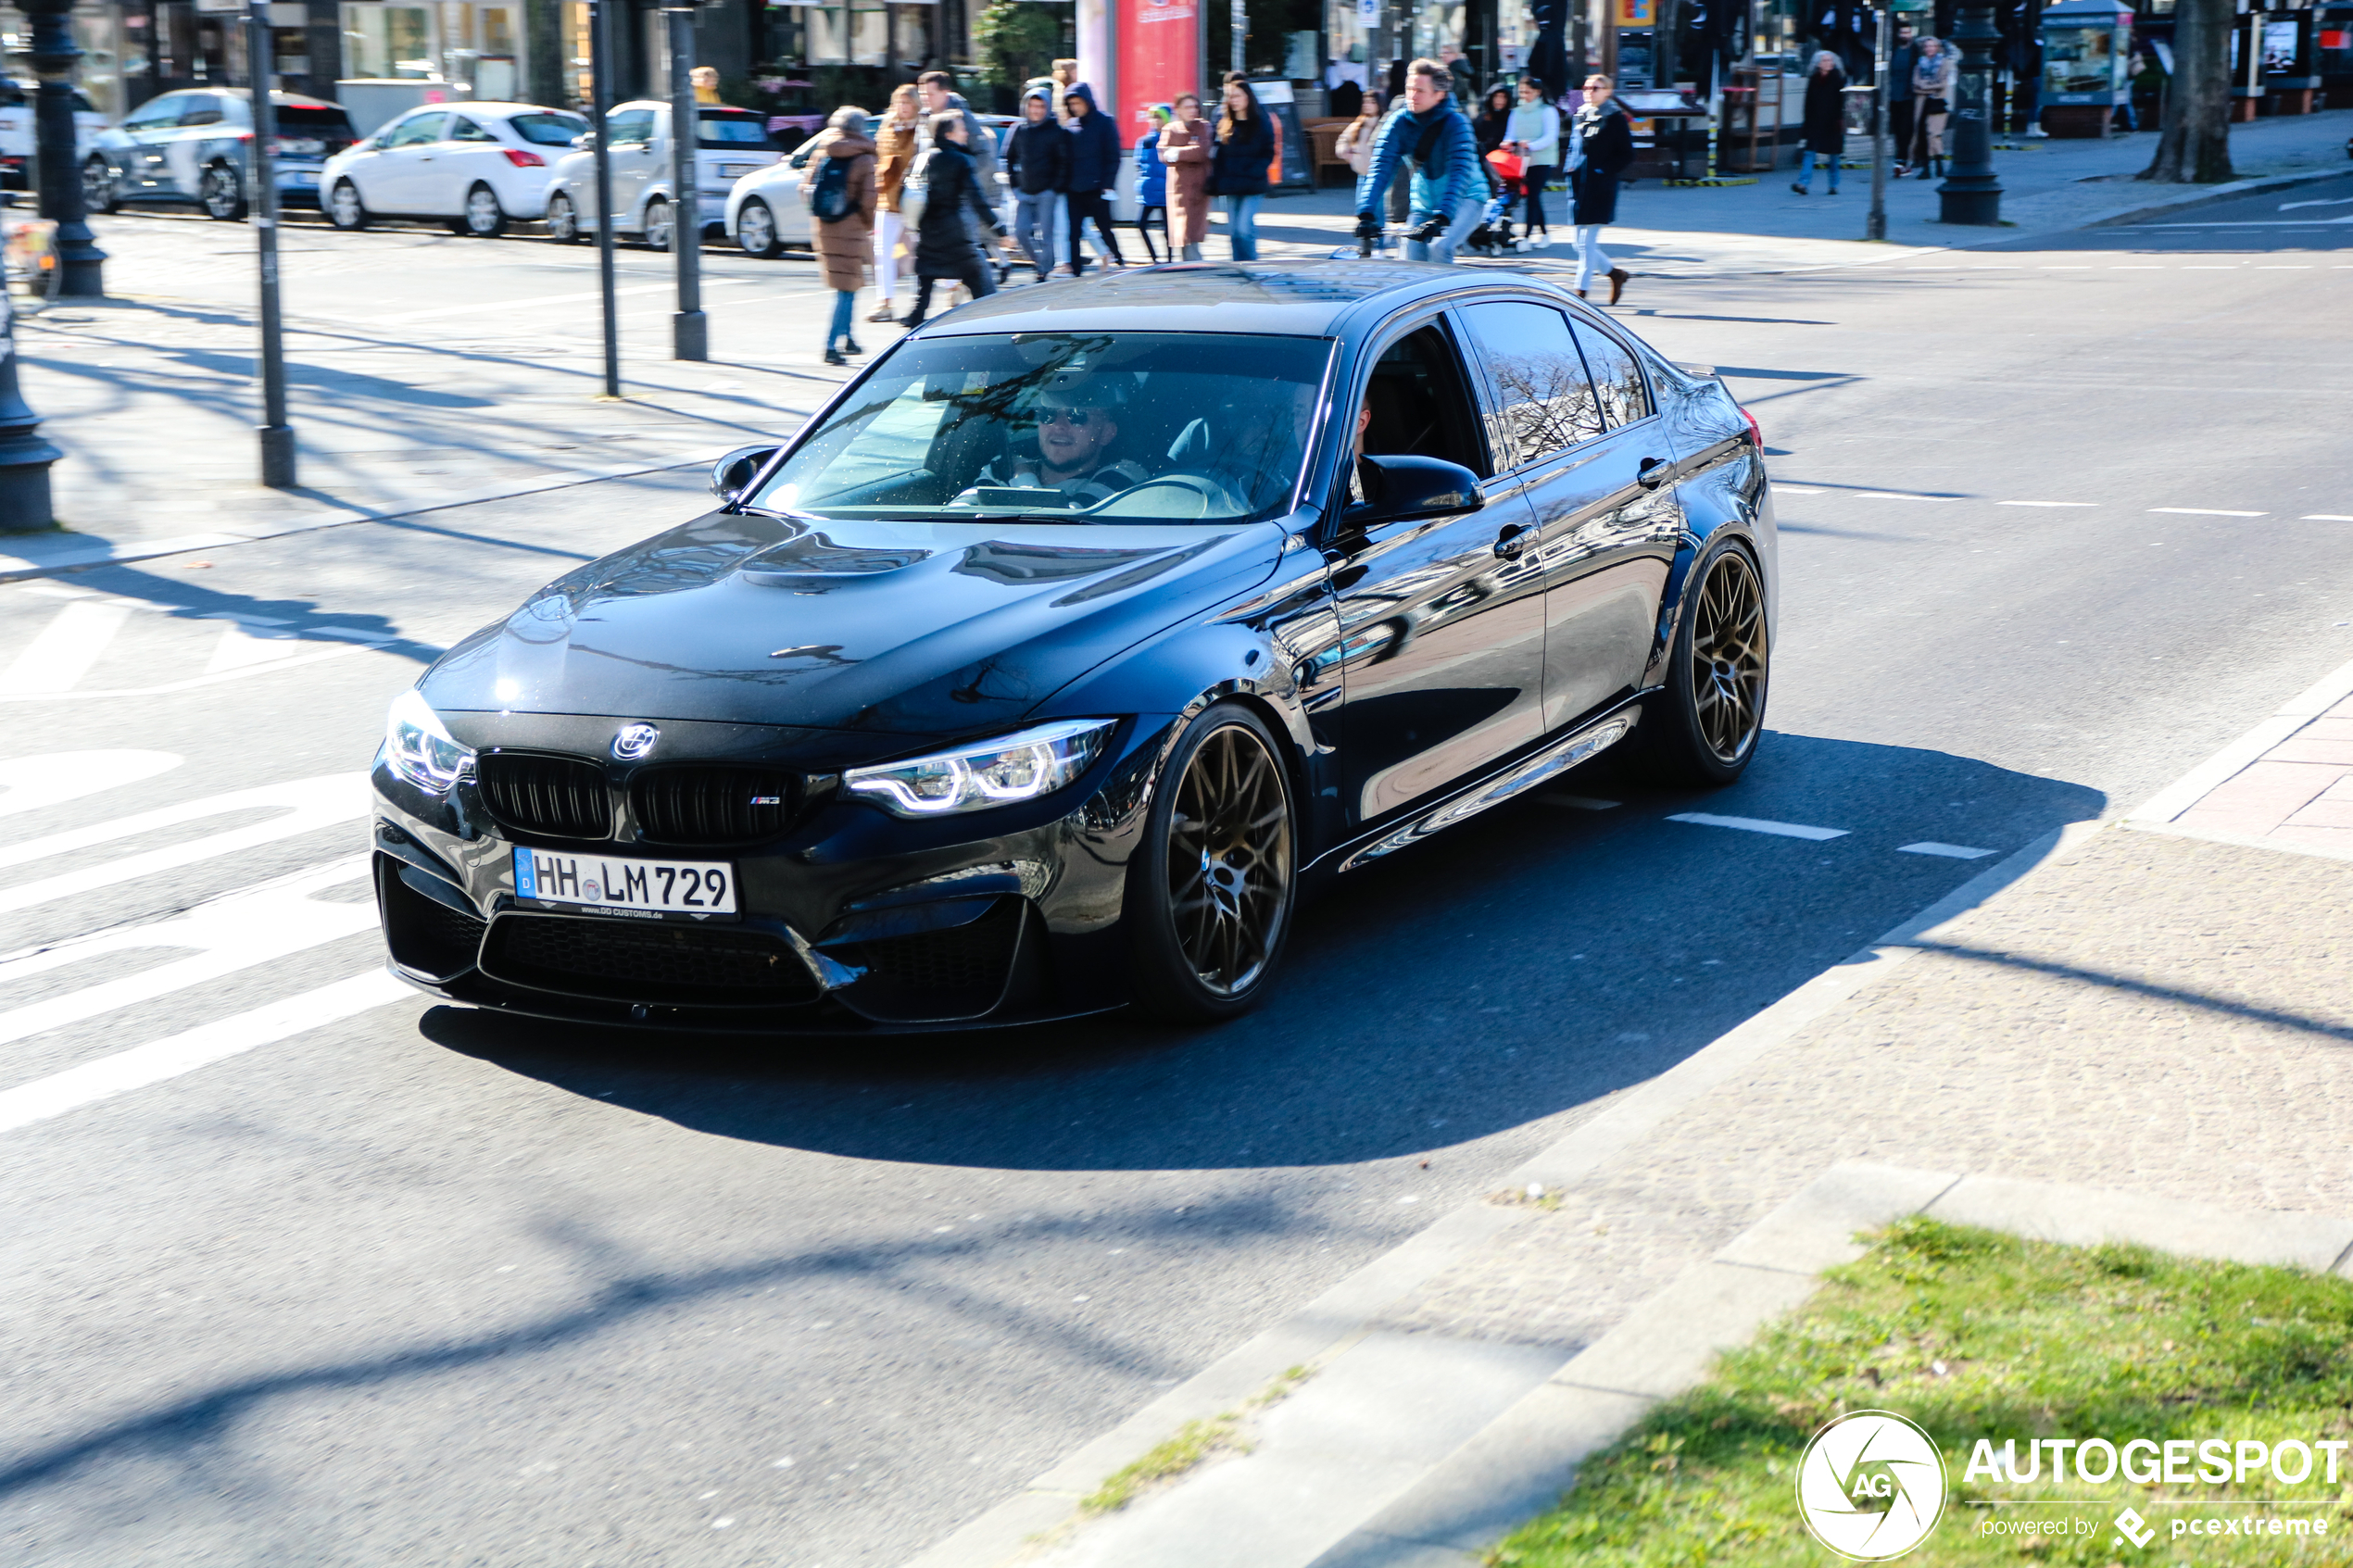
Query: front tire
345	209
221	193
657	232
563	219
100	192
484	217
1211	890
756	231
1701	730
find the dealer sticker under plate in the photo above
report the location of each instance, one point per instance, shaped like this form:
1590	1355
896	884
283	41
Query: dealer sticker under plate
648	889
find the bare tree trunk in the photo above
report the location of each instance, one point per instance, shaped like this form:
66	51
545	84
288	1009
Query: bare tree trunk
2194	140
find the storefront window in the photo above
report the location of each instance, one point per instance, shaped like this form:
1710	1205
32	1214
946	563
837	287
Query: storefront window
388	41
859	35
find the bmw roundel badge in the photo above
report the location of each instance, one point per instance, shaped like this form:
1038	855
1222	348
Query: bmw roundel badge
635	741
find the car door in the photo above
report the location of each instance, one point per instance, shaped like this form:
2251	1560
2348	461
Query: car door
636	144
1442	620
179	165
1571	413
466	154
138	156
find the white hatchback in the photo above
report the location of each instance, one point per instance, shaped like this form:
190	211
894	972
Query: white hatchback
473	166
730	143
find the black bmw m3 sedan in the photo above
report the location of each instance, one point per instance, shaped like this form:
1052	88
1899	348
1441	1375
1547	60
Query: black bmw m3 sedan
1053	659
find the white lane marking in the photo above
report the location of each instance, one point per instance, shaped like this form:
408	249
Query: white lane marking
1579	802
65	650
1758	824
1794	490
1950	851
2046	503
2296	266
186	1051
237	931
2325	201
304	805
1898	495
2205	512
2324	517
27	784
246	641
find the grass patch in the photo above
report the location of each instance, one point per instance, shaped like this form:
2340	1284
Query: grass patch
1976	1335
1193	1442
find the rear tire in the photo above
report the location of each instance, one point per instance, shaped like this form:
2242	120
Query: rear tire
1212	887
484	218
1701	729
563	219
345	209
756	231
657	233
221	193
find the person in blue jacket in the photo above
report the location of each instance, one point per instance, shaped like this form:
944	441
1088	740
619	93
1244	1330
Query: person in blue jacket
1093	174
1433	137
1151	183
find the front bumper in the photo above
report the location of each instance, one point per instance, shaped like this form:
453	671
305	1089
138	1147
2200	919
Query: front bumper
849	920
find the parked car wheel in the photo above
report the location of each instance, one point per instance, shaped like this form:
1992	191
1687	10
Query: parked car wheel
1210	891
756	231
484	217
345	209
99	190
563	219
1701	729
657	230
221	193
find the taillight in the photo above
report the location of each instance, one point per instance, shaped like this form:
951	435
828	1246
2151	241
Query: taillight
522	159
1756	436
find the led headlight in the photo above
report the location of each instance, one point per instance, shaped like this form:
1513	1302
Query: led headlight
994	772
419	749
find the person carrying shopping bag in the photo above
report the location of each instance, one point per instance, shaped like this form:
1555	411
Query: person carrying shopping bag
837	187
895	147
1238	169
1601	144
1152	182
1185	146
955	216
1825	129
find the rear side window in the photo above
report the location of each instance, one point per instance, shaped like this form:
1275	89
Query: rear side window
465	130
1543	401
316	120
162	111
548	130
200	110
1617	376
636	126
731	132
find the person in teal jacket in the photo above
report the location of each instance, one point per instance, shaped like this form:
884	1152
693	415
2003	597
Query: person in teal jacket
1434	138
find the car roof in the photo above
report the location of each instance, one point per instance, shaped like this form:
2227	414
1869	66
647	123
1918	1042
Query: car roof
500	106
277	95
1303	298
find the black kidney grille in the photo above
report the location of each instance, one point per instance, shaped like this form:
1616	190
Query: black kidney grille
556	796
635	961
711	805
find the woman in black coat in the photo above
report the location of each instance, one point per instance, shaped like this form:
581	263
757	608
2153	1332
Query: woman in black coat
1825	123
1601	146
945	243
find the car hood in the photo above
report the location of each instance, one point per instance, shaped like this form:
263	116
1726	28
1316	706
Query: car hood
917	629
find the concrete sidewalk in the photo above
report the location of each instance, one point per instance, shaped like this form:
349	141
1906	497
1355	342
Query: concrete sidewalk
2124	1007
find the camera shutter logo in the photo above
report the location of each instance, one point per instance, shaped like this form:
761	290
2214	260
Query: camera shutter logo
635	741
1871	1485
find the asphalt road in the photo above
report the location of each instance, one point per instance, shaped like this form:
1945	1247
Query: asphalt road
406	1284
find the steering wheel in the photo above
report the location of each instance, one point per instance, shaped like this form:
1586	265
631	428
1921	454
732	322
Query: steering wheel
1152	498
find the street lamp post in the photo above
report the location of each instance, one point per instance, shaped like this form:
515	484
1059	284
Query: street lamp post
55	54
689	329
1875	226
600	47
24	457
277	436
1973	193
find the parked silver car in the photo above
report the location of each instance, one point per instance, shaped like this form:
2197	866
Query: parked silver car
730	143
17	139
196	145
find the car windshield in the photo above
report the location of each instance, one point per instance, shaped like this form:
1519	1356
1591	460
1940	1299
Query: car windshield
1128	427
731	132
548	130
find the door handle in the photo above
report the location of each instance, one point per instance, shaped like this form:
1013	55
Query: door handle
1652	472
1511	542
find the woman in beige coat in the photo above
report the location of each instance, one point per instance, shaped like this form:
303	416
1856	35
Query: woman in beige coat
844	242
894	156
1185	146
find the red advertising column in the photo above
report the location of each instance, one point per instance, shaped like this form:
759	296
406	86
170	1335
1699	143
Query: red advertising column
1159	45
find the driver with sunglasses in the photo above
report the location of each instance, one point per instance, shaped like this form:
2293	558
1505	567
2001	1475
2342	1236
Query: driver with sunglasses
1076	429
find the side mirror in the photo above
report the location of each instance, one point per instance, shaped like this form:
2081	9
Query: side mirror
1400	489
733	475
583	142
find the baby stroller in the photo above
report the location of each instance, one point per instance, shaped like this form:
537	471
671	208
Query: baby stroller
1494	235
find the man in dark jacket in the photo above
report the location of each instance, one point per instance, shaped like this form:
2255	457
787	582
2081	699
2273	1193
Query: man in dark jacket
1449	188
947	245
1038	162
1093	174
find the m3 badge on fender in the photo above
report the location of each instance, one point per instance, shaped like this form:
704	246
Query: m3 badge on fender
635	741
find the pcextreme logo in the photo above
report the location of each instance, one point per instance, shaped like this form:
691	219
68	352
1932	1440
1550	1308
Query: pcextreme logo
1871	1485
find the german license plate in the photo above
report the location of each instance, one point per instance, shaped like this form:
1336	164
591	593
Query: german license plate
608	885
737	170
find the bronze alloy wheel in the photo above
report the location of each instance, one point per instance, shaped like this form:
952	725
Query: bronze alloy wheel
1728	658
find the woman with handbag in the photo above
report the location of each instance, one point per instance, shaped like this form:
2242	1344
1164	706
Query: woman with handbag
839	190
894	156
1238	169
1185	144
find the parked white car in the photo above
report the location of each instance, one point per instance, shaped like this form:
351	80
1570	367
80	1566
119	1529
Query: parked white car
730	143
474	166
765	214
17	133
